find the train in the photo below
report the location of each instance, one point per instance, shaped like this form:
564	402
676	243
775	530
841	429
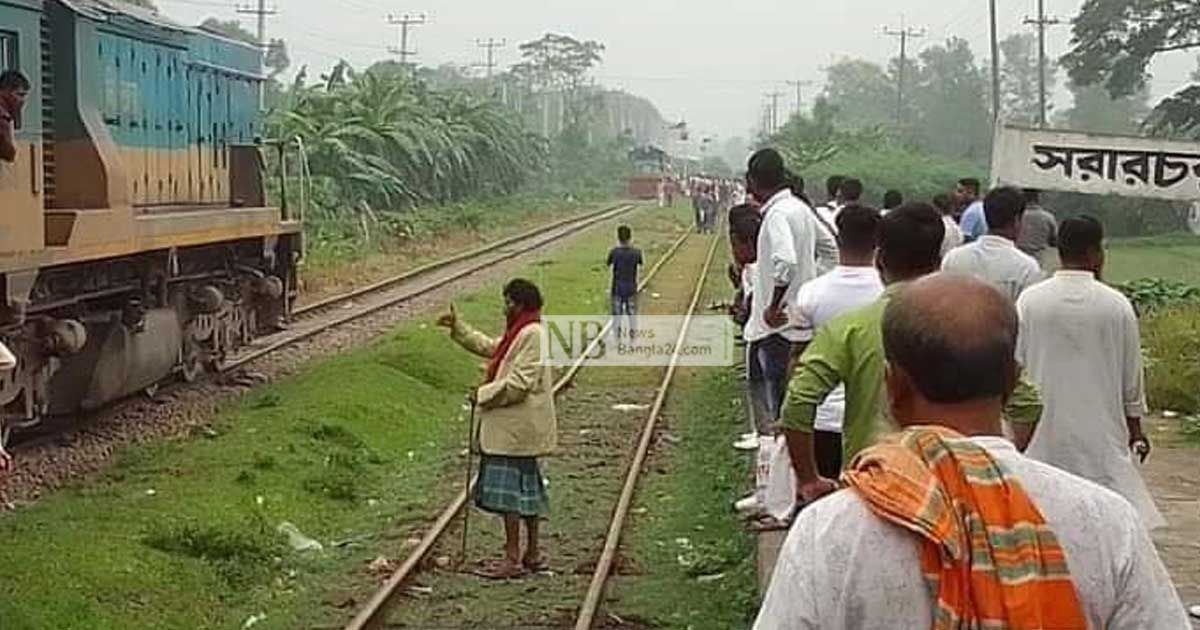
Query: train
137	243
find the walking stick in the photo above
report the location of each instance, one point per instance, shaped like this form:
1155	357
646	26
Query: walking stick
466	510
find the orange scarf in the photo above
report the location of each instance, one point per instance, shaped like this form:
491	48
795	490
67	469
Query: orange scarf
518	323
986	549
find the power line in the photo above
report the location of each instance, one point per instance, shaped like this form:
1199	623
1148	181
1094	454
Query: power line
799	85
995	62
490	45
1041	23
405	22
260	12
904	33
773	109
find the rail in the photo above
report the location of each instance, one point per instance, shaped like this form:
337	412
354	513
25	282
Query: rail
526	242
371	615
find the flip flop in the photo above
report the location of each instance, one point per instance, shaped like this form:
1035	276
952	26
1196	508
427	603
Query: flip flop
1194	611
500	570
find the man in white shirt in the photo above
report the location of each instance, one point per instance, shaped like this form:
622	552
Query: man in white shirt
833	204
1081	344
786	259
954	236
847	562
994	257
853	284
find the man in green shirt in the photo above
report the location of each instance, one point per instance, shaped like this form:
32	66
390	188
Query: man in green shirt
849	349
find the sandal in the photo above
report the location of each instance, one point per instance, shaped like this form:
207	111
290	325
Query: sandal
767	524
536	564
500	570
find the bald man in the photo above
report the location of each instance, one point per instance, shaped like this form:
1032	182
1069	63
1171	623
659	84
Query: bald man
859	558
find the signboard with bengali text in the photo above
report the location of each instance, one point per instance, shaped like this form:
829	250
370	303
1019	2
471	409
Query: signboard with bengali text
1096	164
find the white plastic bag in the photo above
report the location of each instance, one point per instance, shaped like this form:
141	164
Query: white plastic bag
779	497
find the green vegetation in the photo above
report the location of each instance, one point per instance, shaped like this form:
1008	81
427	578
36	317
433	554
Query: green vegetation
352	451
1171	339
1173	257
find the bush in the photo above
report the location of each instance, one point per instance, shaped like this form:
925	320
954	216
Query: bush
1171	344
917	174
1152	294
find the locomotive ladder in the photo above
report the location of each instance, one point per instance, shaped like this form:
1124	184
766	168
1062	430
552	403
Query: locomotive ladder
48	127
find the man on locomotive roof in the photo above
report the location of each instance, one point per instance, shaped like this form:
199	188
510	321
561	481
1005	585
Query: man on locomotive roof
14	88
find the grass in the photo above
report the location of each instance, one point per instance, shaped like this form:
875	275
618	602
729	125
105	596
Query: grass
1170	257
697	564
338	254
353	451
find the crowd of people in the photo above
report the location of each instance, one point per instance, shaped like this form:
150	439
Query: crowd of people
956	424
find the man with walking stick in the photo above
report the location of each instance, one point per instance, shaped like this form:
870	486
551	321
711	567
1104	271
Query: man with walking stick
514	411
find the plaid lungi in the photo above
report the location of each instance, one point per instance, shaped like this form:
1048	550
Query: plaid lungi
511	485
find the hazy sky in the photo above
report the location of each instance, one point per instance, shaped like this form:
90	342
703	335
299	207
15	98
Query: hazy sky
707	61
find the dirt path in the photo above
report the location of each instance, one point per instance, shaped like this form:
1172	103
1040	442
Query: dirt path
1174	478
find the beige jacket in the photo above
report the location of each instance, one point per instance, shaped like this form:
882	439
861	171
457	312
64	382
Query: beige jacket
515	412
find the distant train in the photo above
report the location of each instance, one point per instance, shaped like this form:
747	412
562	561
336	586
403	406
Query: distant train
136	242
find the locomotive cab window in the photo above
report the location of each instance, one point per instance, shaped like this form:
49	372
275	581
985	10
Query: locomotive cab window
9	60
8	51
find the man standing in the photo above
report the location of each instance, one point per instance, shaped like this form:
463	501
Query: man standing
1080	342
625	261
786	258
953	235
1039	231
947	525
849	351
833	204
892	199
851	191
973	222
853	284
14	89
994	257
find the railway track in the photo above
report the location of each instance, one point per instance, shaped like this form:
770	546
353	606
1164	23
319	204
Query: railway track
373	613
313	319
330	313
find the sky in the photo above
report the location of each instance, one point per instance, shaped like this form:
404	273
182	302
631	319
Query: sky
709	62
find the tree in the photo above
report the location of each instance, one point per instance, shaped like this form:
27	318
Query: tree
950	98
560	63
276	60
1114	42
861	93
1019	78
1094	110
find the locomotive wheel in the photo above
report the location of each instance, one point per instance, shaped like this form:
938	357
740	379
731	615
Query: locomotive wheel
191	369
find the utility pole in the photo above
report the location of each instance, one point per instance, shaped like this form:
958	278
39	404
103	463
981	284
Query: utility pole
995	64
799	85
260	12
773	116
490	45
405	22
904	33
1041	23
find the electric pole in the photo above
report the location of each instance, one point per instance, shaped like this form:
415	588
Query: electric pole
260	12
904	33
490	45
1041	23
799	85
773	117
405	22
995	64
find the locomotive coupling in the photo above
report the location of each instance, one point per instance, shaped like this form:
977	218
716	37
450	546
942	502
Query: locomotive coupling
64	337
